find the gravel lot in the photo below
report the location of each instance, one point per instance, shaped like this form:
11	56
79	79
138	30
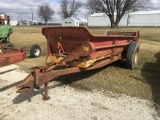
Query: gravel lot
67	103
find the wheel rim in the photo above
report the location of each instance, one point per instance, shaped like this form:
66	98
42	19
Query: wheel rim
37	52
136	58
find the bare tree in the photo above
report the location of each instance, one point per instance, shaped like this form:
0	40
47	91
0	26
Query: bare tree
92	7
45	12
69	7
115	9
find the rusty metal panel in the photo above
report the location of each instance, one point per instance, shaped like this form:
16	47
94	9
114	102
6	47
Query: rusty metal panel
69	37
77	43
11	57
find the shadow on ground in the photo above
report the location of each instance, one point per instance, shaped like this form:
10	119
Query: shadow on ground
81	81
64	80
151	74
26	96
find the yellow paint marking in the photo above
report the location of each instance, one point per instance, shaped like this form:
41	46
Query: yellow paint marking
86	48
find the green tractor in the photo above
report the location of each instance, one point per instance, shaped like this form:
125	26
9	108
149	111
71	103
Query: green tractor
5	32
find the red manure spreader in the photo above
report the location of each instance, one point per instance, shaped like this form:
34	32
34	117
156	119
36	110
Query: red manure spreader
75	49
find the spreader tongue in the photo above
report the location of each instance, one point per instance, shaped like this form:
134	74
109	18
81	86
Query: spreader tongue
26	85
23	90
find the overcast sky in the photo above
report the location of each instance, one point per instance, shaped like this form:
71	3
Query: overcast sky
22	8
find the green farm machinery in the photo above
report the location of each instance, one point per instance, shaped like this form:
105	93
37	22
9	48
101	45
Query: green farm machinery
5	32
8	53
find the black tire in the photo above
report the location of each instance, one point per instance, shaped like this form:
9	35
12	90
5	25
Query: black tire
35	51
9	44
132	55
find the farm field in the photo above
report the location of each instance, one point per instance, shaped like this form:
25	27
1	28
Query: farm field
142	83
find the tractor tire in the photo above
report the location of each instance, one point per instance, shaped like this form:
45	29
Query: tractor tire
9	44
132	55
35	51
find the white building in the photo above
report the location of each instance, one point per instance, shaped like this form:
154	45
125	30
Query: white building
28	22
140	18
82	21
145	18
14	22
70	22
98	19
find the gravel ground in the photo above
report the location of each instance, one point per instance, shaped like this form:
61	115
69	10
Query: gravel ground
67	103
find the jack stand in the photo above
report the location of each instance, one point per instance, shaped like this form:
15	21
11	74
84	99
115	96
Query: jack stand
46	97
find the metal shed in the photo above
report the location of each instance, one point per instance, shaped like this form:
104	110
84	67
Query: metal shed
70	22
140	18
98	19
145	18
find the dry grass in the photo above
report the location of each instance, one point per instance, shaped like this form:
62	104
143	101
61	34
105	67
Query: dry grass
143	82
25	37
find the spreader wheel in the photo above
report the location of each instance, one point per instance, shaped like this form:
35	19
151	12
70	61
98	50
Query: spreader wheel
35	51
132	55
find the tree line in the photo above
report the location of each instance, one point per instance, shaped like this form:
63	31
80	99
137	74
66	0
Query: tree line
114	9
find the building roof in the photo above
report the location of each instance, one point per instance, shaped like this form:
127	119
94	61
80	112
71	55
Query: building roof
70	19
98	14
82	20
138	13
147	12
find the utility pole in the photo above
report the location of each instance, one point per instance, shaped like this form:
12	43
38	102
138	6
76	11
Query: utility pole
128	17
32	14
